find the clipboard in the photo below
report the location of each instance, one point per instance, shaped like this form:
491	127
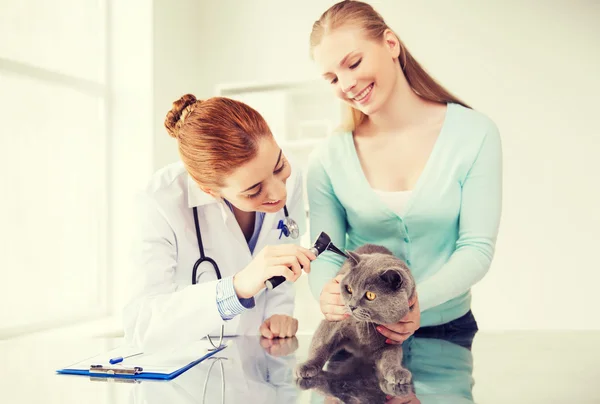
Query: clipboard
164	365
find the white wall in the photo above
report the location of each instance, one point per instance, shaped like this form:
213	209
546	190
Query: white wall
77	142
201	44
531	67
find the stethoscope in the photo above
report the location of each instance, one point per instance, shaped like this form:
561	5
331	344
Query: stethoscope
215	360
288	227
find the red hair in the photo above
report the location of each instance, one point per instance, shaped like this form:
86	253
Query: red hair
215	136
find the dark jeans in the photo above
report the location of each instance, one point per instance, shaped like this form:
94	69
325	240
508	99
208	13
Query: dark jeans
460	331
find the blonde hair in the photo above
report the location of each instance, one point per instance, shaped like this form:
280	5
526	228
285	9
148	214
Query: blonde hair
364	15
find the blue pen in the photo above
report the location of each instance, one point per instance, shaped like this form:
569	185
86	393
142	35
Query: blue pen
119	359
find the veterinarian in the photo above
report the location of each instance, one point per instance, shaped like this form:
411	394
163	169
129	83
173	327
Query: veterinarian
415	170
212	229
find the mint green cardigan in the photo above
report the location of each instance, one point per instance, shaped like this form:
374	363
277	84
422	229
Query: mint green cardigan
448	233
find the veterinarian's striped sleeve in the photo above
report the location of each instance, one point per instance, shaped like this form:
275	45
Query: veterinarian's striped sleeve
228	303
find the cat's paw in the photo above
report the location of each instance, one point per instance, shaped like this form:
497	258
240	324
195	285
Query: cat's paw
396	390
307	370
397	375
307	383
396	382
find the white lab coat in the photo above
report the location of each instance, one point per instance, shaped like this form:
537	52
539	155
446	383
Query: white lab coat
165	309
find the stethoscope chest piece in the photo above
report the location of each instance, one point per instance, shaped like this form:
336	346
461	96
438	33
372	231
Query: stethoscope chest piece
292	227
289	228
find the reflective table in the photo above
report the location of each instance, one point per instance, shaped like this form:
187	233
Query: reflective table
509	367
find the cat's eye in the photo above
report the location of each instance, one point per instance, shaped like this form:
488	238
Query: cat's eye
370	296
348	289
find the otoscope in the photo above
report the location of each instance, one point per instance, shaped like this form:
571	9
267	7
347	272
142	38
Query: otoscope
322	244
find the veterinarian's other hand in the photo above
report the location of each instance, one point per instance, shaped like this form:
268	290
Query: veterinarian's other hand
331	301
279	326
400	332
279	346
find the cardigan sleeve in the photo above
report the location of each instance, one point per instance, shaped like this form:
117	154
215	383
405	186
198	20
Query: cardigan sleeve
326	215
480	211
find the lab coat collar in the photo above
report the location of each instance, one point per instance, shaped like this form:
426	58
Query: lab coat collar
196	196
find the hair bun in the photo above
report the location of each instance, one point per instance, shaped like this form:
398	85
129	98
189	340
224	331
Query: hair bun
173	120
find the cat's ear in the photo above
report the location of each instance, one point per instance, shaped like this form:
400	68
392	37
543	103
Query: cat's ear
393	278
353	257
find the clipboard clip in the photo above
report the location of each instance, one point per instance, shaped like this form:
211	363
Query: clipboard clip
113	380
115	370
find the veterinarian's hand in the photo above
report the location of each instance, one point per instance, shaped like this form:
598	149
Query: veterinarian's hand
331	301
400	332
287	260
279	346
279	326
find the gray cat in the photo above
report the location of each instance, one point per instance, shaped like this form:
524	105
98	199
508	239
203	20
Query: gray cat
353	380
376	289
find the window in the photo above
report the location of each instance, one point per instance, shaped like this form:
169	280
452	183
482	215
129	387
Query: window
54	162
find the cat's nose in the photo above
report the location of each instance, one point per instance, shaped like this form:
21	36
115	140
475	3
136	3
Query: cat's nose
352	308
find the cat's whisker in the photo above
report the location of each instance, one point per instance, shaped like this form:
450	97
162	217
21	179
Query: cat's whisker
361	324
370	322
364	316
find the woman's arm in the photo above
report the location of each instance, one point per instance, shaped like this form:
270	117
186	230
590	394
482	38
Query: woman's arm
326	215
480	212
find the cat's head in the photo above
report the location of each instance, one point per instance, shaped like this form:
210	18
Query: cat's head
377	286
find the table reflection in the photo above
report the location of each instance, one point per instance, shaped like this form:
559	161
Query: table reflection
256	370
441	372
250	370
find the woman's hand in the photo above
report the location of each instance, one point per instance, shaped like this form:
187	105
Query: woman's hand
410	399
287	260
331	302
400	332
279	326
279	346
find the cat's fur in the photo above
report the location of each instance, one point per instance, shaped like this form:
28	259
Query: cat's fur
354	380
375	269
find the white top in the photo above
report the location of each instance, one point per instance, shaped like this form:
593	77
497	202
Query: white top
165	308
396	200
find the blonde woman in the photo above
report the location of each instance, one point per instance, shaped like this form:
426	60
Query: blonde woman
416	170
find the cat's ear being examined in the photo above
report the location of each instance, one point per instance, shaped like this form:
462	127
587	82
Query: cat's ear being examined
393	278
353	257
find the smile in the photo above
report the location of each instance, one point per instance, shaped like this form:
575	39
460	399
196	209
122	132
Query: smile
364	93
